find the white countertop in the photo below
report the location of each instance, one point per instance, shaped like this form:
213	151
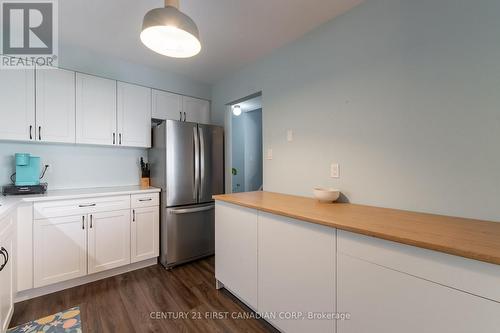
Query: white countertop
7	203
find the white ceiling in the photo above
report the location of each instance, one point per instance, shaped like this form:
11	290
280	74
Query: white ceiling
233	32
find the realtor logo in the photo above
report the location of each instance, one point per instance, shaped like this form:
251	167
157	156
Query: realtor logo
29	33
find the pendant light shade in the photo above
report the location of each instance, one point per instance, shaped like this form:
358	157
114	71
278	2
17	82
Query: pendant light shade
170	32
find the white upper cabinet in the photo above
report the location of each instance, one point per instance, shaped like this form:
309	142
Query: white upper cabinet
95	110
196	110
167	106
17	109
134	115
55	105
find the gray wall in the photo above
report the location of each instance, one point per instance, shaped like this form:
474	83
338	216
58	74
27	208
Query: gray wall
75	166
238	152
403	94
253	150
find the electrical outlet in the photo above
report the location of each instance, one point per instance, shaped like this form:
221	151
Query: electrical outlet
334	170
289	135
269	155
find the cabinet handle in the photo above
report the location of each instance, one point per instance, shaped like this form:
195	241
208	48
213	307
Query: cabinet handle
91	218
31	129
184	116
148	199
83	222
120	136
114	136
87	205
5	255
180	115
133	215
40	133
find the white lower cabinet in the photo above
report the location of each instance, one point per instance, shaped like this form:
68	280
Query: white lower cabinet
91	239
144	235
7	270
236	250
296	273
108	240
384	300
60	249
307	272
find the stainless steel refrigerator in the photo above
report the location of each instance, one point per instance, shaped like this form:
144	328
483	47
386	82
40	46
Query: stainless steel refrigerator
187	163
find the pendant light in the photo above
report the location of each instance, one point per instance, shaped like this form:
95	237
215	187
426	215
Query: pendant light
170	32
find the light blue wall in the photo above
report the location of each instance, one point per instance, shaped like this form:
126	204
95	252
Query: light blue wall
253	150
403	94
77	166
246	155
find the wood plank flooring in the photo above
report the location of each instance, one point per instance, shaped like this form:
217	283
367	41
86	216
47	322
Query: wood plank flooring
124	303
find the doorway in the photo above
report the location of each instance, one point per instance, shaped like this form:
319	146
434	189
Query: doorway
246	162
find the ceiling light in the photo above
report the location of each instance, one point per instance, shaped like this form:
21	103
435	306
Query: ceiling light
236	110
170	32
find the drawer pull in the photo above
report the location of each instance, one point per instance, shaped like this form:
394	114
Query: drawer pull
5	255
148	199
88	205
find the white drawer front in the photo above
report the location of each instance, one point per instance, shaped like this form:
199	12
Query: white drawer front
472	276
80	206
144	200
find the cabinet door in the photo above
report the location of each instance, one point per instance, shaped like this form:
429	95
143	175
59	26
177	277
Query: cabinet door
55	105
145	233
197	110
134	115
17	113
296	273
60	249
7	277
379	299
167	106
95	110
108	240
236	250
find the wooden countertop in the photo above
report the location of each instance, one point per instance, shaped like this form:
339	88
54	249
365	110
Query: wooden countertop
474	239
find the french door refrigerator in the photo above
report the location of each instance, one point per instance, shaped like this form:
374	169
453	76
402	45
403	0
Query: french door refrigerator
187	163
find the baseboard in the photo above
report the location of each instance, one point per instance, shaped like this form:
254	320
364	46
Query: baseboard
32	293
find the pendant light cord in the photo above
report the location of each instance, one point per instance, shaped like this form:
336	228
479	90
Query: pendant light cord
172	3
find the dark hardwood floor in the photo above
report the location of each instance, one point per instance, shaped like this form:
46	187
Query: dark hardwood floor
125	303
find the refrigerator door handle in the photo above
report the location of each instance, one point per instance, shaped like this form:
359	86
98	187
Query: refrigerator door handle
202	161
196	163
191	210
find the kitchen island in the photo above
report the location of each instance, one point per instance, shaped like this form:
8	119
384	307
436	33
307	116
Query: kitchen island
387	270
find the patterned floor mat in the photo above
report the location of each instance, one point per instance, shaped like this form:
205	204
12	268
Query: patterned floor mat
67	321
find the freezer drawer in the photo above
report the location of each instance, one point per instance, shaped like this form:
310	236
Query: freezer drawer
187	233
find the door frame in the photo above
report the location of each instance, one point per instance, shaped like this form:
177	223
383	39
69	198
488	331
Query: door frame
228	142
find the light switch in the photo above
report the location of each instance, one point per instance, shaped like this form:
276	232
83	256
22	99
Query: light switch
269	155
334	170
289	135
